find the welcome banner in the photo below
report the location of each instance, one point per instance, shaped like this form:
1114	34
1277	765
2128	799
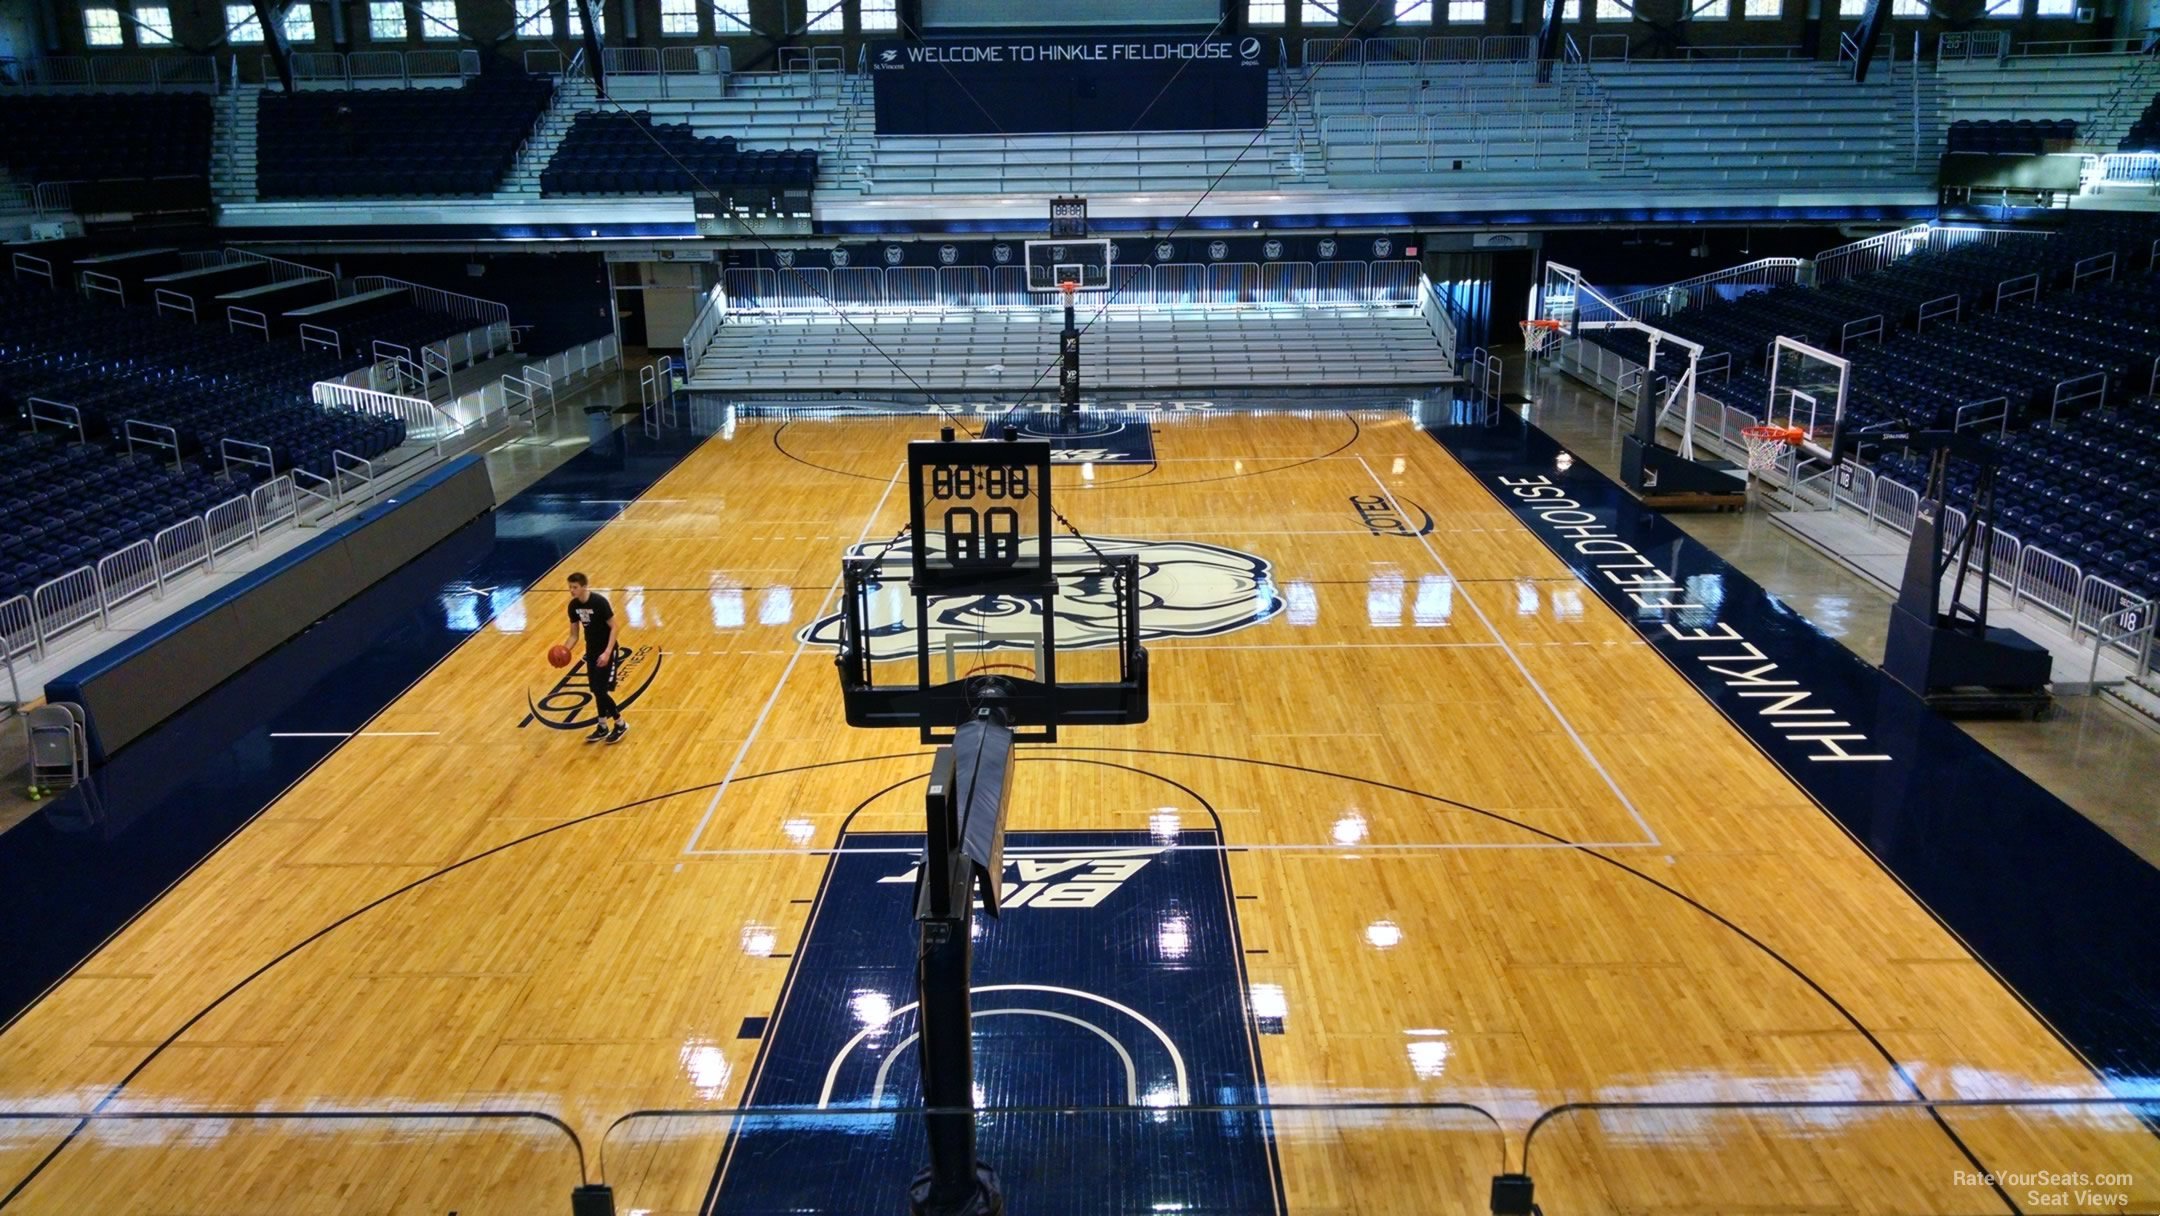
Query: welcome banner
1056	85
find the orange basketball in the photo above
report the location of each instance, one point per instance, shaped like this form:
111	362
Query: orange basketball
558	655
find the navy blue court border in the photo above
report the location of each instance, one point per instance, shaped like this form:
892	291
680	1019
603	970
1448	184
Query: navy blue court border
2064	914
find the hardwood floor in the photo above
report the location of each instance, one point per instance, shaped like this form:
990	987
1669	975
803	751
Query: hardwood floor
1488	848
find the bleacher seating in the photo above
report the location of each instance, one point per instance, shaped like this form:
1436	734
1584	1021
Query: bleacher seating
2144	133
66	504
116	364
1007	351
104	136
617	152
2081	481
377	143
2020	354
2013	136
2084	488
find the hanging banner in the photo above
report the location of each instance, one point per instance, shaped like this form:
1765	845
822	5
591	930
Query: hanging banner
1056	85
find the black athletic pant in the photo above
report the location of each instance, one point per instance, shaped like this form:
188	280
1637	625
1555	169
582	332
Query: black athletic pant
602	680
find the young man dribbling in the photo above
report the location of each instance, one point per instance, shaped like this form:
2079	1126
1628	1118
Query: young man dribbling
591	613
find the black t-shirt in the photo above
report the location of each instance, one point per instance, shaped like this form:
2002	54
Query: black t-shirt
594	614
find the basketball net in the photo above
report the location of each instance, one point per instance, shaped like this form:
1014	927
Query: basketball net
1767	445
1536	334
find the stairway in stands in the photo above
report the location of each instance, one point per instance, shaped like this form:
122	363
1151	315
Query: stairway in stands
232	145
574	95
1293	136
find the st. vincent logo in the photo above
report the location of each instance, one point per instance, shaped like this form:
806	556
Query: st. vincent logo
1188	589
569	705
1399	517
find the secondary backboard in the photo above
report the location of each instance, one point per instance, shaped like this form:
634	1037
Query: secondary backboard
975	628
1083	262
1807	390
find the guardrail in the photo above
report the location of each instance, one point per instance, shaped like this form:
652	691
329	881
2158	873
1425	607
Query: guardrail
1441	48
178	73
1746	52
238	318
54	413
2091	606
1875	252
1387	284
313	337
1695	292
1972	46
1526	140
435	299
37	267
153	435
424	421
2064	48
95	282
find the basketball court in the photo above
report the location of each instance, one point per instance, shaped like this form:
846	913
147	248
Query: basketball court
1422	845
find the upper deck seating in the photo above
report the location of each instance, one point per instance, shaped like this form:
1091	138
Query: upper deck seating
104	136
612	152
380	143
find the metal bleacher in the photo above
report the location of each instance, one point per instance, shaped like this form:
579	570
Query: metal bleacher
1748	123
1188	347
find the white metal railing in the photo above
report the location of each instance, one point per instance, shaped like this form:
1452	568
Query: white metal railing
2099	267
2061	48
2091	606
1447	48
18	627
355	475
712	314
1438	318
2010	291
155	72
2141	167
167	300
1979	415
1362	285
151	435
405	67
238	318
540	388
67	601
321	337
281	270
36	267
126	574
182	547
435	299
1936	311
1972	46
272	502
230	524
424	421
2077	393
312	491
54	413
1875	252
95	282
2128	630
434	366
1695	292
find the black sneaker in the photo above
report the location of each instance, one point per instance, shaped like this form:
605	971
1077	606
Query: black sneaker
599	734
621	728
